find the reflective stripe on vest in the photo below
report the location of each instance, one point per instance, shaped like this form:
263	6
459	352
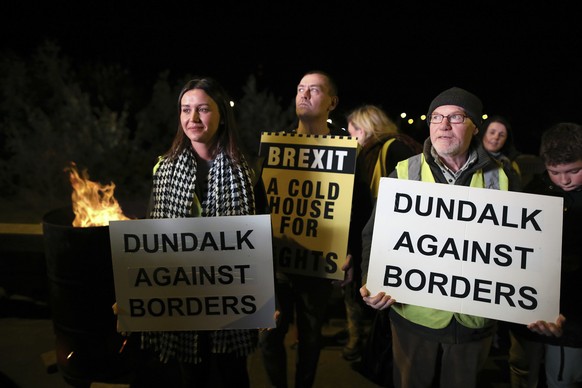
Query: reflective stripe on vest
416	168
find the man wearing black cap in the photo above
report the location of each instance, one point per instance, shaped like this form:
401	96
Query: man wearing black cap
426	339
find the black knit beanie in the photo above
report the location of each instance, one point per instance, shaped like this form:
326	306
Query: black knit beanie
470	103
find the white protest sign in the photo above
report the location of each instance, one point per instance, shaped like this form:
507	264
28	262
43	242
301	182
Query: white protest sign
204	273
490	253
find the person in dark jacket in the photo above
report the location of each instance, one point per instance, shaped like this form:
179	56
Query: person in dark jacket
301	297
497	138
382	145
558	343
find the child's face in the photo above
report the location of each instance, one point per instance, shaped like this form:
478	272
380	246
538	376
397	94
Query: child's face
568	176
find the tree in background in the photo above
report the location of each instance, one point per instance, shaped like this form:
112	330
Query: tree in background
260	111
97	116
48	119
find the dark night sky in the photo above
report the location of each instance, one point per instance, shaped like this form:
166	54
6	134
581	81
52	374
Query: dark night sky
520	57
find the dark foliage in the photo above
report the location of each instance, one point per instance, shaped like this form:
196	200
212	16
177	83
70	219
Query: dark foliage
53	113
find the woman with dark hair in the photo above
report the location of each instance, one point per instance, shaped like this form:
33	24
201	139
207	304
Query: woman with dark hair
203	174
497	138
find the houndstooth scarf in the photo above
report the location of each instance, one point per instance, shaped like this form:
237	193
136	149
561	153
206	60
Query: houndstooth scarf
230	192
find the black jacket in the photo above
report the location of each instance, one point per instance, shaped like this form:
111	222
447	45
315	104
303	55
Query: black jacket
571	277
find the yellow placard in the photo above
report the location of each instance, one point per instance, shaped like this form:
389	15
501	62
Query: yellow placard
309	181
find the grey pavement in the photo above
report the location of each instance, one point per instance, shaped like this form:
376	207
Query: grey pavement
26	361
27	356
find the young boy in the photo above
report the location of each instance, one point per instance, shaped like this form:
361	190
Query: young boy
560	341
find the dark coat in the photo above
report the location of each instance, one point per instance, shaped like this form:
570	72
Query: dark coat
571	277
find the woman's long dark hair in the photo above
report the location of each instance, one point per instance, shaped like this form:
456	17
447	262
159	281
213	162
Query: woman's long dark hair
508	148
226	138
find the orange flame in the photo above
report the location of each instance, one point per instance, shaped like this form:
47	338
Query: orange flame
93	203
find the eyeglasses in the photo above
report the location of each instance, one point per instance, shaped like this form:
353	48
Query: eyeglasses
453	119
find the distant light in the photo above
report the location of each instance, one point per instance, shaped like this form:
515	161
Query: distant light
231	104
403	114
423	117
484	117
329	121
410	121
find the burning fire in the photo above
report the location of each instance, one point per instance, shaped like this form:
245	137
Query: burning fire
93	203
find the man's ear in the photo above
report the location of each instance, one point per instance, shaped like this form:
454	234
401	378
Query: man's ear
334	102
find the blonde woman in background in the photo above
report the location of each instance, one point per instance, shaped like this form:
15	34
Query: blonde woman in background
381	142
382	147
